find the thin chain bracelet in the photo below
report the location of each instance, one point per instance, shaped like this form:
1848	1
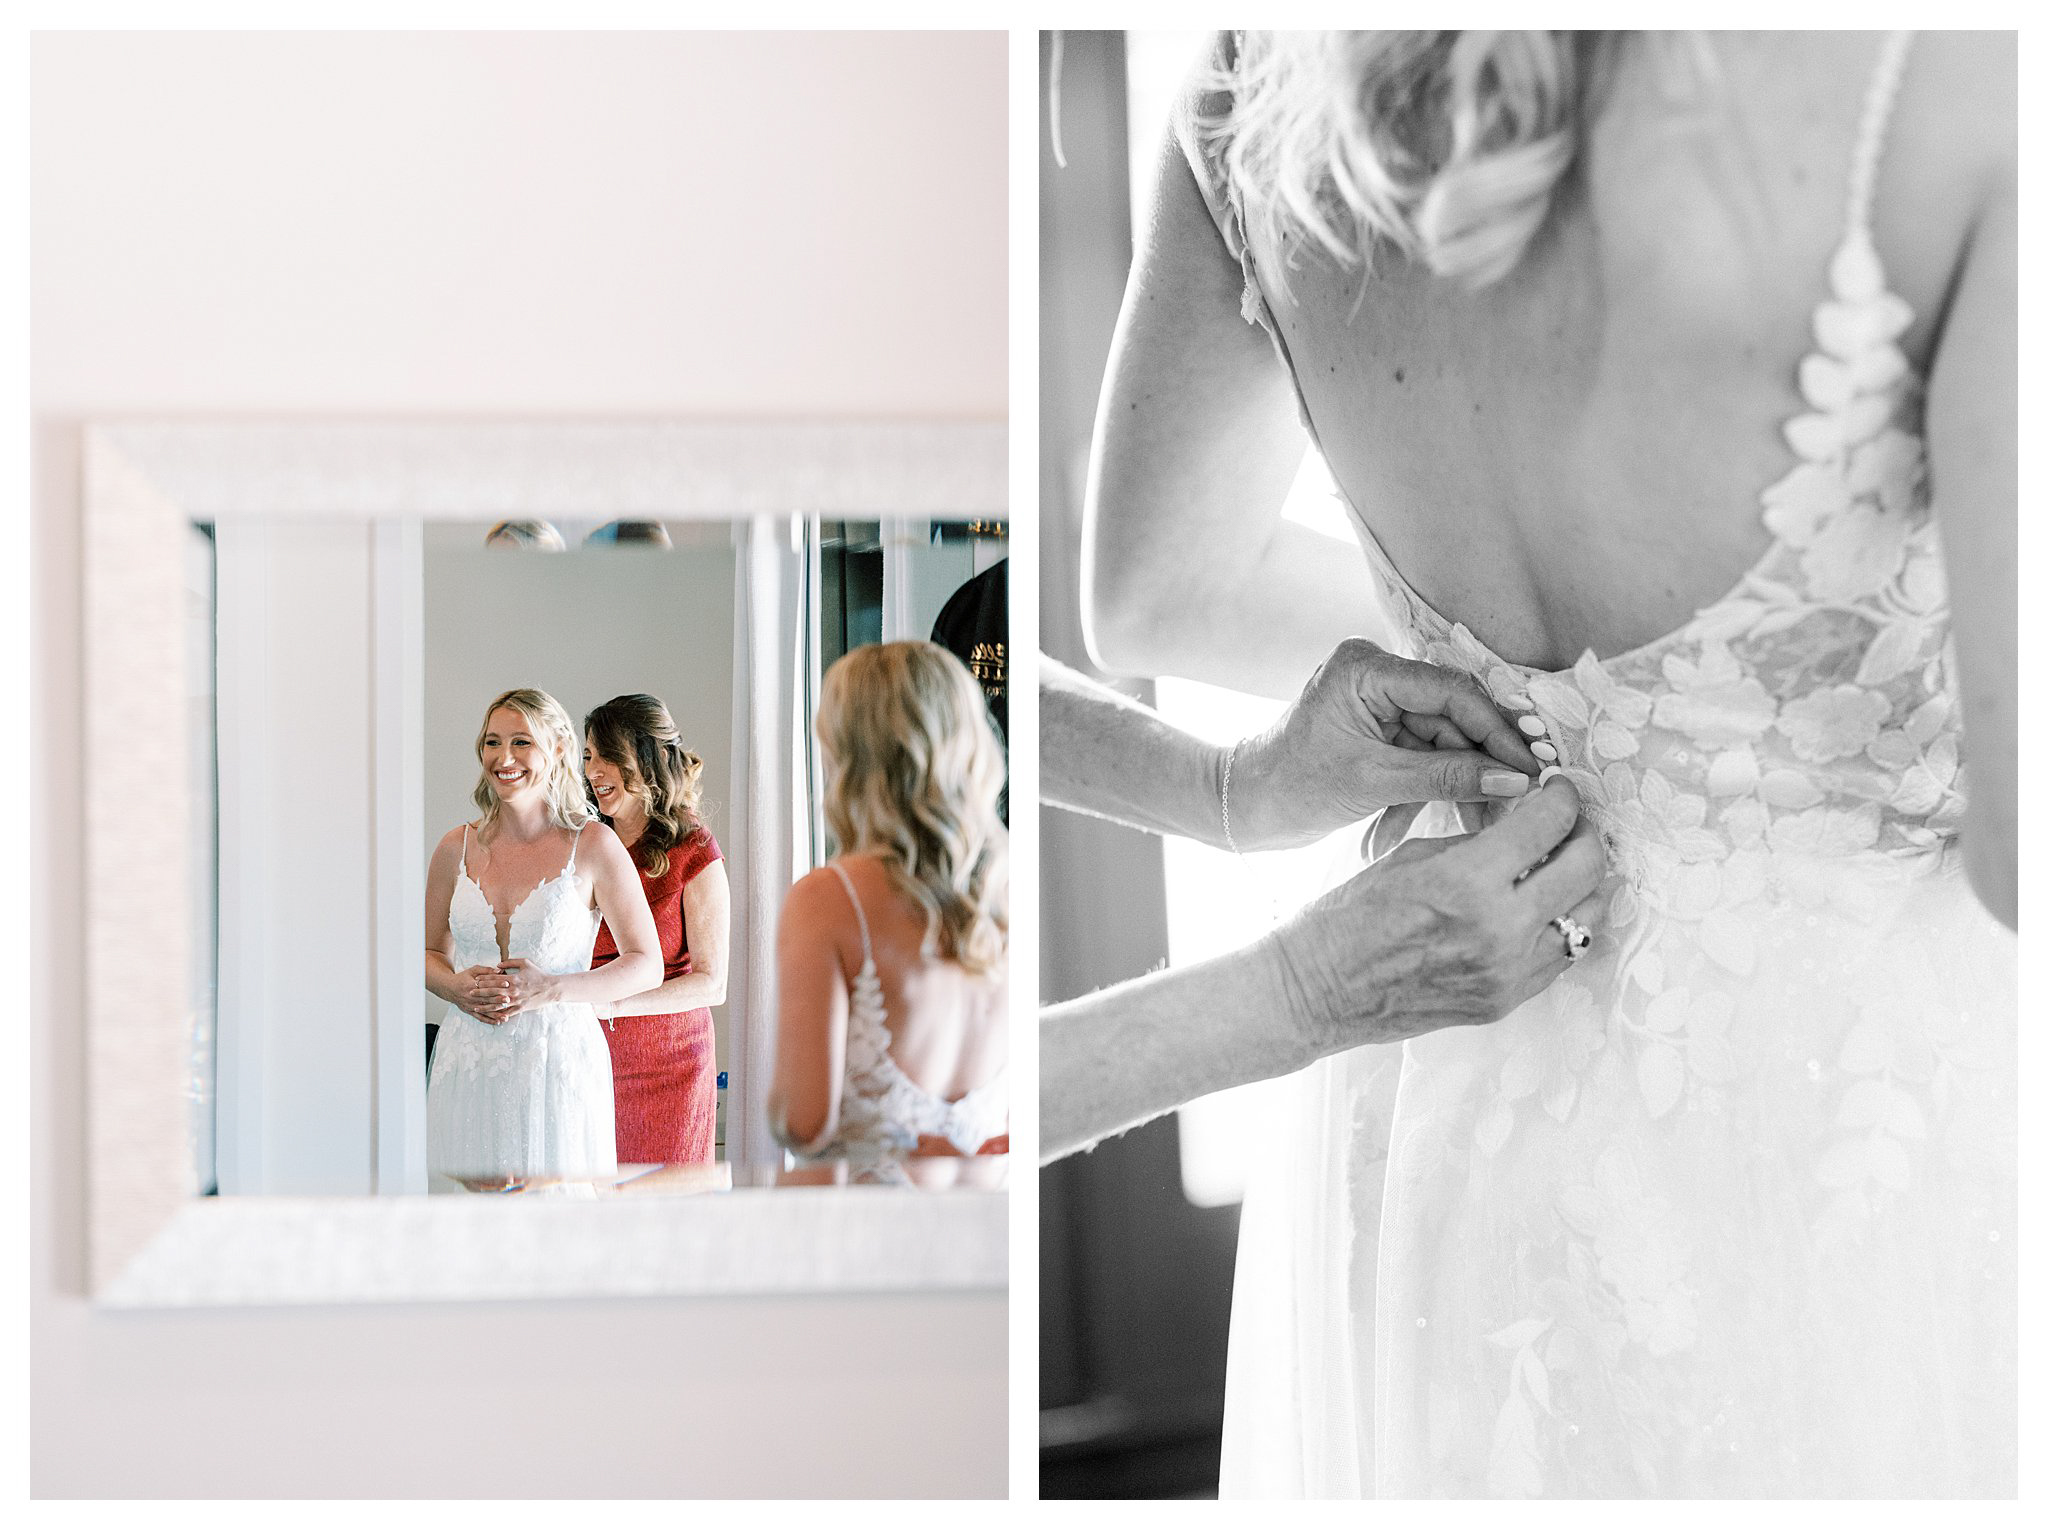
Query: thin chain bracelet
1229	760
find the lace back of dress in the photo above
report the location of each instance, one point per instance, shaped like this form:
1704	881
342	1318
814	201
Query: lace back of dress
882	1110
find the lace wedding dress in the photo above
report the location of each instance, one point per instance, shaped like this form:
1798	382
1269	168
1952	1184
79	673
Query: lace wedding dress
531	1098
1730	1209
883	1113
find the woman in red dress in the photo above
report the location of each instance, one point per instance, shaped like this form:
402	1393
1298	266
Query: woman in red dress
664	1055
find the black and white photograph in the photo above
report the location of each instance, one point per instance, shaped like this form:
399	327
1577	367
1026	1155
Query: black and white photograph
1528	714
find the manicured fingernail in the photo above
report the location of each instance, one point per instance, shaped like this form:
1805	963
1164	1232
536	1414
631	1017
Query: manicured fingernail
1543	751
1548	772
1503	783
1533	726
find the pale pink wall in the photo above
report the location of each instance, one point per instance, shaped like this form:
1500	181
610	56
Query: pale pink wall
463	225
501	223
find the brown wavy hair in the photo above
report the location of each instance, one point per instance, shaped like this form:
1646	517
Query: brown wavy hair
912	773
636	734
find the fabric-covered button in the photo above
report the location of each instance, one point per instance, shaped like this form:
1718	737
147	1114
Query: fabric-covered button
1856	274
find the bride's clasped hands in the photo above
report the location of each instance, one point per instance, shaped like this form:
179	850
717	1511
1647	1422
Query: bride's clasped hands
482	993
520	986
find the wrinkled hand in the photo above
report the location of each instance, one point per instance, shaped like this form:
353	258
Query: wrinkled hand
1452	931
1370	731
480	994
527	986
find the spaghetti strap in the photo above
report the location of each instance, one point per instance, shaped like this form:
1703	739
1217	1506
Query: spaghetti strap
1191	118
1224	199
566	870
1878	101
462	867
1855	273
867	951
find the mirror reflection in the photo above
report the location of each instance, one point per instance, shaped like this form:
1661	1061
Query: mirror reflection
708	835
910	1057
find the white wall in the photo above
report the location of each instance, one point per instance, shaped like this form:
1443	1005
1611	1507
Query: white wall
456	225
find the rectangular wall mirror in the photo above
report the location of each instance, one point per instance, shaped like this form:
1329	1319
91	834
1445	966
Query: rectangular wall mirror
293	635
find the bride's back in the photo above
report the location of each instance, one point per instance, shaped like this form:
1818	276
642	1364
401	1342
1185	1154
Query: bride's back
948	1027
1571	458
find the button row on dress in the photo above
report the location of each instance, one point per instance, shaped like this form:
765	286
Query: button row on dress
1539	745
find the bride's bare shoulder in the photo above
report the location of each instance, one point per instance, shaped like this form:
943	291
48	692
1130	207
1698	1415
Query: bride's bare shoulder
1963	88
1976	73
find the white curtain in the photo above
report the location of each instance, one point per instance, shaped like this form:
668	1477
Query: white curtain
769	835
901	540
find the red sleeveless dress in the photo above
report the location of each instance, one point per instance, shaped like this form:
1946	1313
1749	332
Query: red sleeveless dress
665	1067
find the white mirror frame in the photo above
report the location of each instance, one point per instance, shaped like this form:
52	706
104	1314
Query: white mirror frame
153	1241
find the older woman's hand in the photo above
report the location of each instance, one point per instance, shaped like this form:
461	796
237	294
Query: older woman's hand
1370	731
1443	932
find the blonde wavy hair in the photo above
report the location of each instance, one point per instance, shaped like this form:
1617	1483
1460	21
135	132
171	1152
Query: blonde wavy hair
1446	146
567	806
912	773
639	737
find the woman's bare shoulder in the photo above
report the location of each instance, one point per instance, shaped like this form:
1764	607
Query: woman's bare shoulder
816	913
599	848
1968	89
818	898
1981	69
874	883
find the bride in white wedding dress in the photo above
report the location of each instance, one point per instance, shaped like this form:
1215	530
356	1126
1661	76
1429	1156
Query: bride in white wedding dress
521	1086
1671	391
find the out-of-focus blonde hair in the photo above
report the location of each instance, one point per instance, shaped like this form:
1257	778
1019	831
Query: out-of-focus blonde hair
563	784
1447	146
639	737
912	773
539	534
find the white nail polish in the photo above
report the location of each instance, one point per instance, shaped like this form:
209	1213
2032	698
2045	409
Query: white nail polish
1548	772
1543	751
1533	726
